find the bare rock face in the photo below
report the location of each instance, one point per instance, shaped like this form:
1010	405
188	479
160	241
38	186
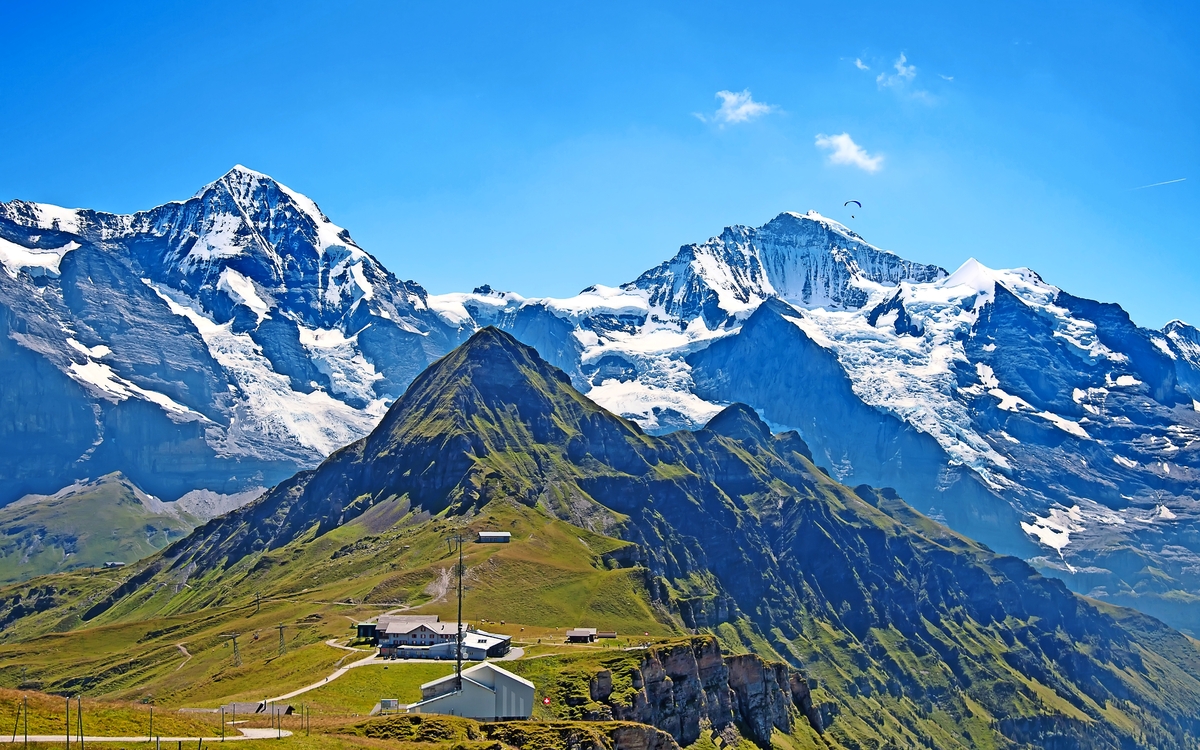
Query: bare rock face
686	687
631	737
764	695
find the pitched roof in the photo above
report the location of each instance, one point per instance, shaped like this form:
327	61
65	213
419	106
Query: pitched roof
441	628
482	666
385	620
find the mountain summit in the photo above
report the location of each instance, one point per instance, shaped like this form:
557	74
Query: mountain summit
807	259
215	343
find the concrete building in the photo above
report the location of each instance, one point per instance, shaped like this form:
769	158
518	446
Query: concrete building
494	537
488	693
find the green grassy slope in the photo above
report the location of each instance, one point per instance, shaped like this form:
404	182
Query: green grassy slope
551	577
85	525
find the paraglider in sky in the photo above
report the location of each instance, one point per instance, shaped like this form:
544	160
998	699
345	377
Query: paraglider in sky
847	203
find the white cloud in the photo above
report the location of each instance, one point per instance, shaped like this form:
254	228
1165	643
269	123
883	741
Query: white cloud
904	73
737	106
946	78
843	150
858	63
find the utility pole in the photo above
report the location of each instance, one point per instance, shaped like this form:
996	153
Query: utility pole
458	540
237	655
68	722
282	646
79	717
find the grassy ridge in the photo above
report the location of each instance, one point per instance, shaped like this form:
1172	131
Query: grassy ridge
83	526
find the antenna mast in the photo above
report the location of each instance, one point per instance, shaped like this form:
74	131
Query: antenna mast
459	540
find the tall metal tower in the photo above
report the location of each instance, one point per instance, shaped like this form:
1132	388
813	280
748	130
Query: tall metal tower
282	645
458	540
237	655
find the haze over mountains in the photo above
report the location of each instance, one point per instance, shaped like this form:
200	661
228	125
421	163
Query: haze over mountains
224	342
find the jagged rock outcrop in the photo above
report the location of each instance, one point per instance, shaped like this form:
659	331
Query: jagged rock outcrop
687	686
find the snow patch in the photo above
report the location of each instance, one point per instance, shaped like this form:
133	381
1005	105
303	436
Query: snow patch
1065	424
37	262
986	375
243	291
1009	402
1055	529
103	377
95	352
1163	346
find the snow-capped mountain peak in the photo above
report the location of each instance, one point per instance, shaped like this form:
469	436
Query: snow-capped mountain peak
250	190
806	259
240	322
972	274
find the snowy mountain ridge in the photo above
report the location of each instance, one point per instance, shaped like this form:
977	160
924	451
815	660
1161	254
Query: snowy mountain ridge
256	327
223	342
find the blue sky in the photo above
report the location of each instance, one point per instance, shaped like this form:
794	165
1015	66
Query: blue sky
543	148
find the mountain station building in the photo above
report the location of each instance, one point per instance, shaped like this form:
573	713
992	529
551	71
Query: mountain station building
488	693
427	637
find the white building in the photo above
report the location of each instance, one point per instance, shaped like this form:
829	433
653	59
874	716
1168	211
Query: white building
426	637
488	693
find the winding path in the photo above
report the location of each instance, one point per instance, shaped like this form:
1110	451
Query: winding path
336	674
187	655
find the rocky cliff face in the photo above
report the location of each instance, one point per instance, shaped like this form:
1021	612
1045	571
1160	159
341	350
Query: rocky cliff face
684	687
